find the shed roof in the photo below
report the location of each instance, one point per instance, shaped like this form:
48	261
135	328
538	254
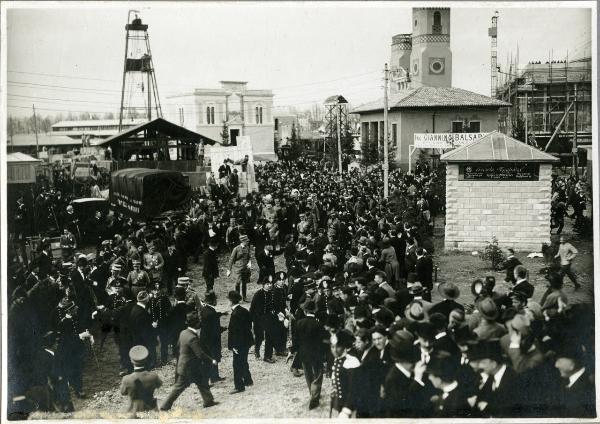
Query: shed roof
20	157
162	126
428	97
44	139
497	147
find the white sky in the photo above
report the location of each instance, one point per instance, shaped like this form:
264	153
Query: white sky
304	52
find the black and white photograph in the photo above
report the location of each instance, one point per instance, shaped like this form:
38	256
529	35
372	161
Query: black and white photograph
299	210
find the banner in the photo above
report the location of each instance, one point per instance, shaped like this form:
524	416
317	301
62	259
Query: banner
444	140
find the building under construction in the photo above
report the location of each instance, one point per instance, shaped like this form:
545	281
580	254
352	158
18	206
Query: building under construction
552	106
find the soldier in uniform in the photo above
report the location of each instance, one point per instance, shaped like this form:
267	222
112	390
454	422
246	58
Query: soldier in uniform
191	297
70	352
138	279
109	316
140	384
264	310
153	263
68	244
160	307
115	279
344	367
239	265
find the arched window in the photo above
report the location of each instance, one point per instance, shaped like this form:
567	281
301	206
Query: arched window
437	23
257	117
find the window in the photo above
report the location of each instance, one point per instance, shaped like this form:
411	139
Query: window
475	126
276	124
259	114
457	126
394	134
210	115
437	23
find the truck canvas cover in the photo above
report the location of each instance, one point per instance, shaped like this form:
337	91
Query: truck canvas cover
148	192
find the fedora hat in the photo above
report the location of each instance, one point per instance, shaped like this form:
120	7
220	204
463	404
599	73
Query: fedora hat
486	349
402	347
415	311
449	290
487	308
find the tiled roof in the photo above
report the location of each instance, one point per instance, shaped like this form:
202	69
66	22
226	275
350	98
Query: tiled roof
424	97
497	147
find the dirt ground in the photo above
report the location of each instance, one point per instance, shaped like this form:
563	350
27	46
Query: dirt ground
276	393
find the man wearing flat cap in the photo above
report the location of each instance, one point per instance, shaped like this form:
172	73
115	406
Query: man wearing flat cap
191	365
140	384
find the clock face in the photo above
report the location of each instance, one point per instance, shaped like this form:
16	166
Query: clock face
437	65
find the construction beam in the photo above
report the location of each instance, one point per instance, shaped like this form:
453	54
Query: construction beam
558	127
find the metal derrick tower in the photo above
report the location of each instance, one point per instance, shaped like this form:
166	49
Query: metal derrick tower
139	91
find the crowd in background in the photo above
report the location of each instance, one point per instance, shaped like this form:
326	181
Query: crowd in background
353	301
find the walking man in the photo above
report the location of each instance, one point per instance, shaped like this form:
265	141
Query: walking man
239	341
239	265
191	365
566	253
211	265
310	344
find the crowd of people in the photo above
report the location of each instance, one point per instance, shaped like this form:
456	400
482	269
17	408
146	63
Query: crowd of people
352	301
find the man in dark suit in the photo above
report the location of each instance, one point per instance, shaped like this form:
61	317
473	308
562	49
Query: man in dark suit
449	292
140	384
309	342
577	397
500	396
266	263
175	264
177	317
211	265
403	393
210	334
191	365
509	265
239	341
424	271
452	402
521	283
143	330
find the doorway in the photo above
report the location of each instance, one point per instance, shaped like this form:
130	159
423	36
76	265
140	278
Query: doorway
233	135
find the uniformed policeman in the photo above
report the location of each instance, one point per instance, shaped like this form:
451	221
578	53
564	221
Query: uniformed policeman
140	384
343	370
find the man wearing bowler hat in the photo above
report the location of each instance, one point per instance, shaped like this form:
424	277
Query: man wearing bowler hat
451	399
140	384
240	265
310	338
210	333
239	341
191	365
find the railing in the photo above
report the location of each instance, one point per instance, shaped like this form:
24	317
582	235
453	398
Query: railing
169	165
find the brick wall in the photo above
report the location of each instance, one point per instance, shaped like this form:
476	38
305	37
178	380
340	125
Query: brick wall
516	212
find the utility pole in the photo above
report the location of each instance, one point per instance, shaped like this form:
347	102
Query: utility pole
526	119
339	137
37	145
575	157
385	136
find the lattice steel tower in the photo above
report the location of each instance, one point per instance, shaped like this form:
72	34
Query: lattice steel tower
139	93
336	122
493	33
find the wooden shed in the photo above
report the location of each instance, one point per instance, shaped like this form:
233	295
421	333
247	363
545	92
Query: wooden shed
21	168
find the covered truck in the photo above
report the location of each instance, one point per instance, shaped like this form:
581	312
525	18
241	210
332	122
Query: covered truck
147	193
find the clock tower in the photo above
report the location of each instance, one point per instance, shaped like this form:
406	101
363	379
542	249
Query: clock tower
431	57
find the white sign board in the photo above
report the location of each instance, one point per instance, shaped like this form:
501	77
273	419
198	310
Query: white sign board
444	140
